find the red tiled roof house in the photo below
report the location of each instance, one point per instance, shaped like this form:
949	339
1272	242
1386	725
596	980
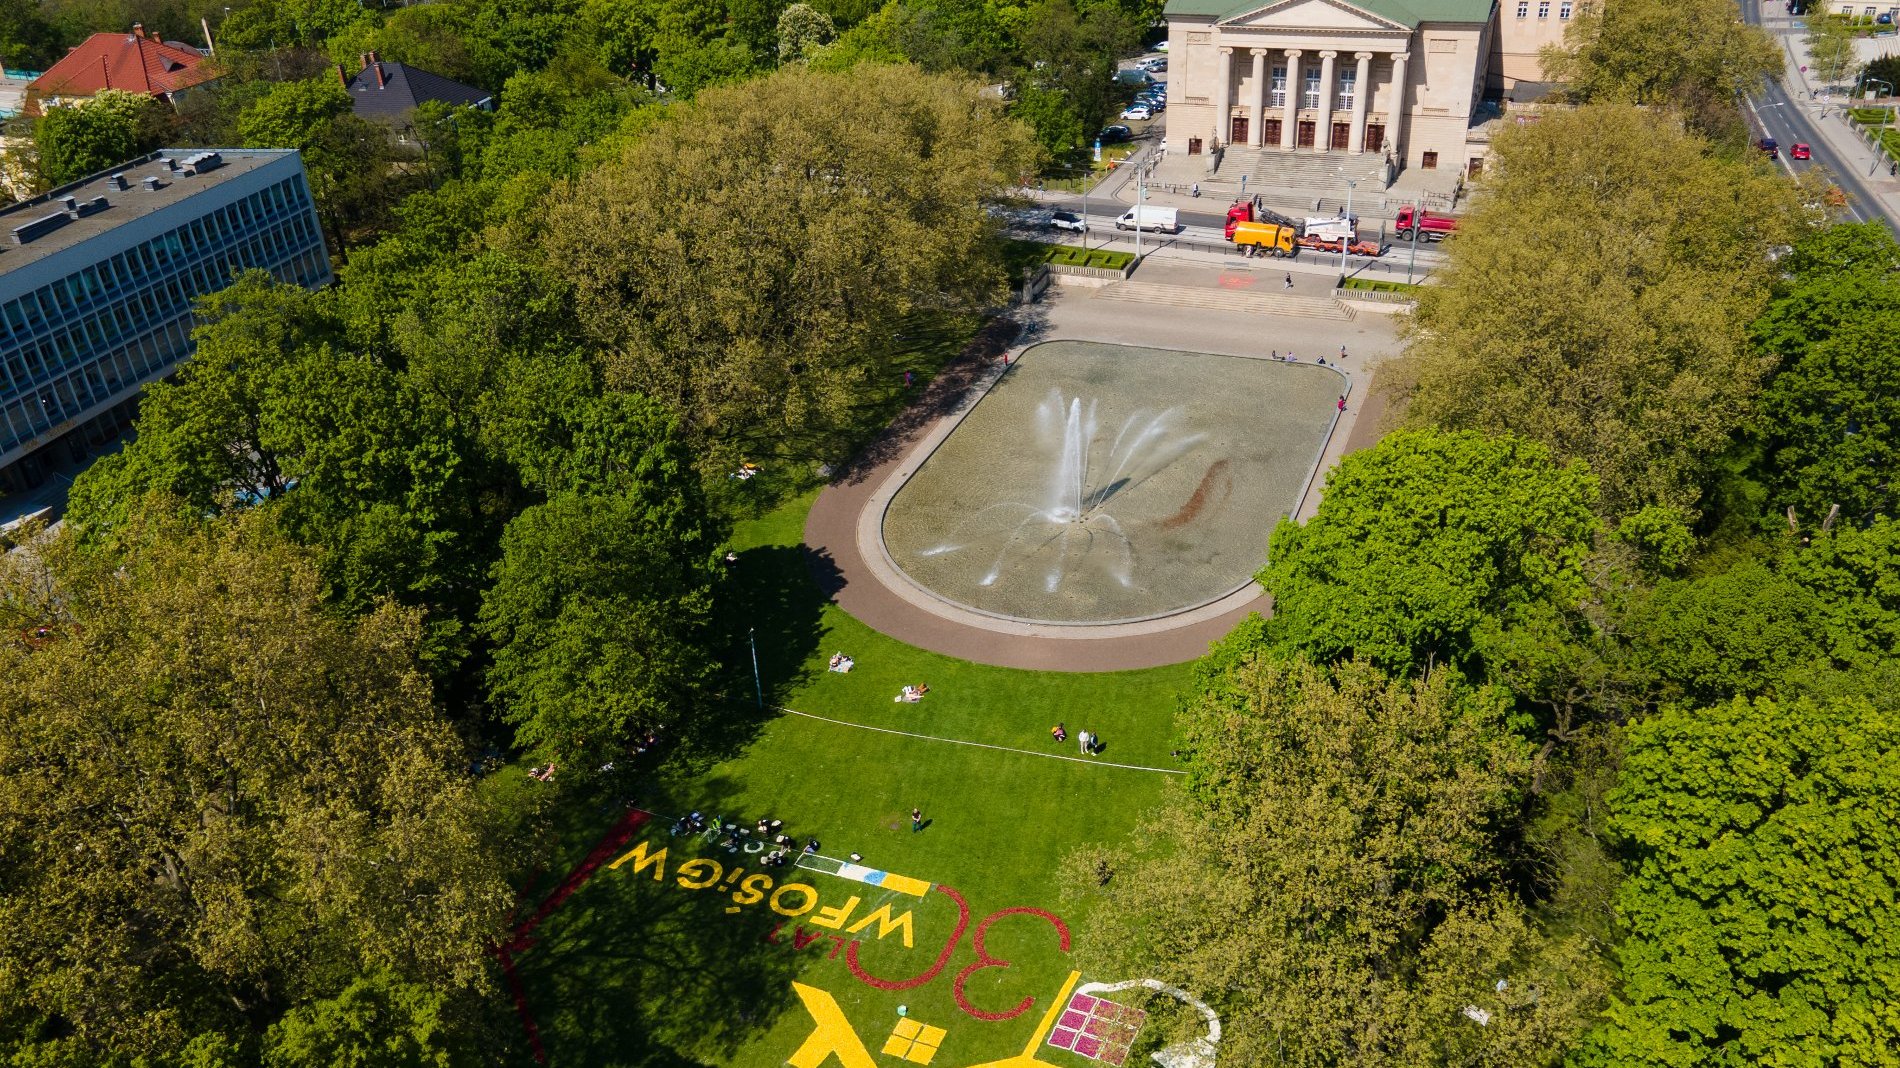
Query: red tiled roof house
131	61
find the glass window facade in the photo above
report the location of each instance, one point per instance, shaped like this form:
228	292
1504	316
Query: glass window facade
93	337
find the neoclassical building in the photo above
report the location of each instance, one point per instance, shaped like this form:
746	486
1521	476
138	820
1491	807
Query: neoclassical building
1395	83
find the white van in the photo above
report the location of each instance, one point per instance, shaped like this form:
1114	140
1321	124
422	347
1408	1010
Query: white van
1149	217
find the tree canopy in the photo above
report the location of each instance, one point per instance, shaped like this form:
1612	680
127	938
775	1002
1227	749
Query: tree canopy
721	260
1427	546
1597	299
103	132
601	607
217	798
1760	904
1692	54
1829	422
1330	880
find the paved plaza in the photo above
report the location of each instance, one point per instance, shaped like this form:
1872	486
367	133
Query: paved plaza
1226	311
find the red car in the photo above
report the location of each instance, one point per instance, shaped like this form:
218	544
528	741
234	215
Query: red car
1799	151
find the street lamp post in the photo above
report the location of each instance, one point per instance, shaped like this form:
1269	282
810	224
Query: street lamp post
1880	147
1141	197
1412	260
1345	243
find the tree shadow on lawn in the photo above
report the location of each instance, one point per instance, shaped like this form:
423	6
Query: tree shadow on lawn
942	395
776	608
646	974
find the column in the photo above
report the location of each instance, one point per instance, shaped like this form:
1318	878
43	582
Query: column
1256	121
1395	122
1224	98
1290	115
1361	90
1323	132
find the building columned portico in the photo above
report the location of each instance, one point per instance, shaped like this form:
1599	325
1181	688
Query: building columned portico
1394	82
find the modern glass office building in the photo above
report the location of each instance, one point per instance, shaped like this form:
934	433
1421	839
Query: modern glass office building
97	280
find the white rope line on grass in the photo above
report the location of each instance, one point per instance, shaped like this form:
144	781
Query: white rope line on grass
982	745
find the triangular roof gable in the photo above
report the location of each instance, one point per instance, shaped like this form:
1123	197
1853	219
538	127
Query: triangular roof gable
1323	14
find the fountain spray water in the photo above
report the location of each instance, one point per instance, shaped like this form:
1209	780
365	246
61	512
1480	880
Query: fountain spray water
1073	525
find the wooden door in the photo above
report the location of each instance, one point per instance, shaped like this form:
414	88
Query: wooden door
1375	136
1194	146
1270	133
1237	134
1474	169
1428	161
1342	136
1304	133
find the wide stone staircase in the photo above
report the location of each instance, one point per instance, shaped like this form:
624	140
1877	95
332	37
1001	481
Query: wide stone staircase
1267	301
1279	168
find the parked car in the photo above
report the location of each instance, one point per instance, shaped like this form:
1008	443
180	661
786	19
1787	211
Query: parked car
1134	76
1115	134
1800	150
1161	46
1769	148
1068	220
1138	111
1153	64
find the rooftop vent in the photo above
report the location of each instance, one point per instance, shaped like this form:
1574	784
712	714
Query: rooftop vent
116	181
171	164
152	183
203	163
39	227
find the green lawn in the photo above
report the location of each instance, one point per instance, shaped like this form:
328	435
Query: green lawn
634	970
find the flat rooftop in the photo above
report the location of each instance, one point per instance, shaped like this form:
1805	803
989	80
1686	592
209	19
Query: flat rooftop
123	205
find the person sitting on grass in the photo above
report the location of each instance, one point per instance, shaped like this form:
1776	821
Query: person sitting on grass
1060	733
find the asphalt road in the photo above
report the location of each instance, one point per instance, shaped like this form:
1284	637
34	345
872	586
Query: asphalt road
1784	119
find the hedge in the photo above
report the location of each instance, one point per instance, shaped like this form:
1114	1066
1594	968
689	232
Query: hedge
1376	286
1070	256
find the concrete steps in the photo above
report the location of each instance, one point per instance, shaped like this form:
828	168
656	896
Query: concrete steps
1278	168
1266	301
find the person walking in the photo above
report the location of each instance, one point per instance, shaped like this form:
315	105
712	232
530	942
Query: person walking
916	820
1342	352
1342	402
1084	737
1289	280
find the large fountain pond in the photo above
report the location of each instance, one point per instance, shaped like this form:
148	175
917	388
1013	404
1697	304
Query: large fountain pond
1104	483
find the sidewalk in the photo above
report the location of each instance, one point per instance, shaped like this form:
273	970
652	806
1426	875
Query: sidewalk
1826	107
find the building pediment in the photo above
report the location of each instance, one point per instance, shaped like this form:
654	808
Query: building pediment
1334	15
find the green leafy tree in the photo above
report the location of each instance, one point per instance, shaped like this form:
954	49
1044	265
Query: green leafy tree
110	129
1760	906
1070	53
216	795
720	261
1692	54
27	40
1329	879
1047	111
1828	427
602	600
801	29
347	158
870	41
1598	298
1812	618
1831	53
378	1021
272	406
262	24
1429	546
